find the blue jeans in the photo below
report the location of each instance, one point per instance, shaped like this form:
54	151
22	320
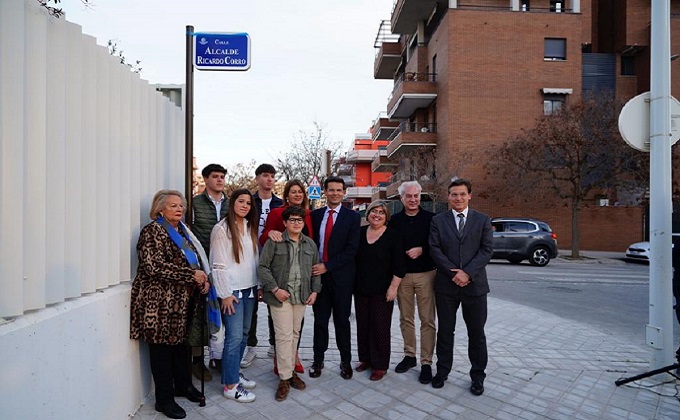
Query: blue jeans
236	328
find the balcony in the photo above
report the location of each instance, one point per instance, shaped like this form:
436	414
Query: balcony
383	127
412	135
357	156
379	193
411	91
381	163
407	13
359	192
388	56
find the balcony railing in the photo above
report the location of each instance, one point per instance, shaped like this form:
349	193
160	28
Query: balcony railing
359	192
413	127
381	163
411	91
361	155
385	34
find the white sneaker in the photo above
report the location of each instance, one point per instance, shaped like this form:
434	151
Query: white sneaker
248	357
272	351
239	394
245	382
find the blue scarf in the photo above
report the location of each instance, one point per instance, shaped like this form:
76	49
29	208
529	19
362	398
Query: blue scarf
181	241
213	312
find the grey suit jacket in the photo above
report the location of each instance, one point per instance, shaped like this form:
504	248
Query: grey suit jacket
469	250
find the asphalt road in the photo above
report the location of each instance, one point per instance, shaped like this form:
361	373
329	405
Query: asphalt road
610	297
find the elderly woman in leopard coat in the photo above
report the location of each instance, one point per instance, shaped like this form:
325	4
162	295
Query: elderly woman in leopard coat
170	269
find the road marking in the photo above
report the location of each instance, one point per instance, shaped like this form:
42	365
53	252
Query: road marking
624	276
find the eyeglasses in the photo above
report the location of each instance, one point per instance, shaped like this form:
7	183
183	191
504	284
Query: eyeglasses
296	220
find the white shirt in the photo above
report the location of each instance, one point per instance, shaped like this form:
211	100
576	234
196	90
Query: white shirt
263	215
228	275
322	228
464	213
218	204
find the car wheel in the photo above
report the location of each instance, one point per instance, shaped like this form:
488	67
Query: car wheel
515	260
539	256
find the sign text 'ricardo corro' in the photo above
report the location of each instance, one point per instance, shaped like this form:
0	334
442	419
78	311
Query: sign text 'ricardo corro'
222	51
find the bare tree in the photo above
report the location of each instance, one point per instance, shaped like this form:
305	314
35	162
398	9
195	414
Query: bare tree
241	175
305	155
575	152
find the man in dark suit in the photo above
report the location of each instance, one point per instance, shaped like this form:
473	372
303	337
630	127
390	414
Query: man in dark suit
461	245
336	233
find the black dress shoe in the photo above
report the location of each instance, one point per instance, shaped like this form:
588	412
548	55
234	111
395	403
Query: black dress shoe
406	363
345	370
438	381
192	394
315	370
171	410
425	374
477	387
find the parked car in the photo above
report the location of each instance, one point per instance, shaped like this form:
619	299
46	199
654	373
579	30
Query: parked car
639	251
517	238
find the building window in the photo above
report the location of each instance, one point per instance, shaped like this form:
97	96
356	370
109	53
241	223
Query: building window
525	6
627	65
556	6
552	103
555	49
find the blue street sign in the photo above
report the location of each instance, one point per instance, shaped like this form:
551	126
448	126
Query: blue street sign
314	192
221	51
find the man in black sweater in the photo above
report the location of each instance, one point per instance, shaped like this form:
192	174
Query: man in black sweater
413	225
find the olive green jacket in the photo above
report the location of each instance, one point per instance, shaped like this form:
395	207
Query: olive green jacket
274	267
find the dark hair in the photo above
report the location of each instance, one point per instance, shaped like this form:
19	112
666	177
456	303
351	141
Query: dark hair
251	218
293	211
333	179
213	167
265	167
460	181
290	184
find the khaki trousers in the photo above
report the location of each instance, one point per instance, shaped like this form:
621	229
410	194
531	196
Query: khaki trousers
420	286
287	323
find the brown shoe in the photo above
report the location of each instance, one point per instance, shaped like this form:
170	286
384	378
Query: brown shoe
377	375
282	390
362	366
296	382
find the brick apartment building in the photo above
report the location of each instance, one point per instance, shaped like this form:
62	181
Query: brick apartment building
469	74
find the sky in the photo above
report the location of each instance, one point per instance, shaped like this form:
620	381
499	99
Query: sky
312	60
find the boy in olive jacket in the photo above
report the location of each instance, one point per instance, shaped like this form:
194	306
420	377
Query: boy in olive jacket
285	272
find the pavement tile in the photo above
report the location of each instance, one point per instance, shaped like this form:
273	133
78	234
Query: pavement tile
541	366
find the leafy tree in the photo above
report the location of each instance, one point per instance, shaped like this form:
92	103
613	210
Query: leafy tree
305	155
576	152
58	11
118	53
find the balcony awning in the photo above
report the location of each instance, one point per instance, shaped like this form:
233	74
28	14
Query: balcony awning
558	91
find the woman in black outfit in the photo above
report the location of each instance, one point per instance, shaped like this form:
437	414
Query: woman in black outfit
380	267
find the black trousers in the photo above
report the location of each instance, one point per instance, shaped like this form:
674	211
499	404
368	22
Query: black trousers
374	321
336	300
474	315
169	369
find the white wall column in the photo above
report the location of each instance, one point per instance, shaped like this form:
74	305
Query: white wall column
56	163
34	178
11	156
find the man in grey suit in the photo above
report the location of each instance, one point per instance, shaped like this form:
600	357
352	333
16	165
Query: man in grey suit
461	245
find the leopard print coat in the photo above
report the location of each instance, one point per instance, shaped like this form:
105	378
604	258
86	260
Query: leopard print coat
161	290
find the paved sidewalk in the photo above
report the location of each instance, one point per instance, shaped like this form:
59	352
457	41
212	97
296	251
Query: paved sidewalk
540	367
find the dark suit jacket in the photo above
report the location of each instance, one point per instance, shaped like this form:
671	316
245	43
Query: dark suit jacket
470	251
343	245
